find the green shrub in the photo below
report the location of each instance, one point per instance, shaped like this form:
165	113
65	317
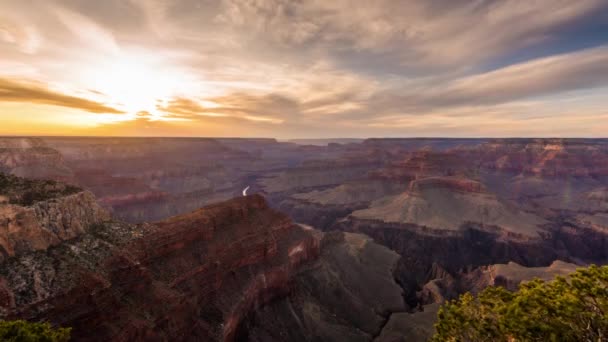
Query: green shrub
565	309
24	331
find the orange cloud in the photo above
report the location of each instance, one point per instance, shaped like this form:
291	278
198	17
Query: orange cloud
36	93
270	108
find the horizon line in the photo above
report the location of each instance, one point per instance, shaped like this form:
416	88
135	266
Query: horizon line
291	139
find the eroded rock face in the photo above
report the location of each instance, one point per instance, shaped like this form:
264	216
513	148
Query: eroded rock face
410	326
417	326
461	205
47	223
509	276
546	157
190	277
449	203
346	295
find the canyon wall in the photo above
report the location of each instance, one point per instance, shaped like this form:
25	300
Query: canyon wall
191	277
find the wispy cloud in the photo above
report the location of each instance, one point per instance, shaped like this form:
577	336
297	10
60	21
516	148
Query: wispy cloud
418	32
268	108
37	93
87	31
544	76
25	37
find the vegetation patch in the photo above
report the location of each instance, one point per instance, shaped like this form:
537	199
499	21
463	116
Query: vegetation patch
565	309
26	192
24	331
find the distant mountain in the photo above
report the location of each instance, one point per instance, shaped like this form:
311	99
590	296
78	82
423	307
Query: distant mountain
325	142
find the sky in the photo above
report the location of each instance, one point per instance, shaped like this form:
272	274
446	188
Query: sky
304	68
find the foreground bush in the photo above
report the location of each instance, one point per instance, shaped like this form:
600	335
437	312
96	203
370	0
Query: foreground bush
23	331
565	309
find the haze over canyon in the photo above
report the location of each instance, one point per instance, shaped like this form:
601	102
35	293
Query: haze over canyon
351	240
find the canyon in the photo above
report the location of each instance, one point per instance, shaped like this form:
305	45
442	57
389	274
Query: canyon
153	238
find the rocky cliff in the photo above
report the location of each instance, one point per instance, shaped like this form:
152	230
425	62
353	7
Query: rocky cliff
35	215
417	326
452	203
348	294
509	276
190	277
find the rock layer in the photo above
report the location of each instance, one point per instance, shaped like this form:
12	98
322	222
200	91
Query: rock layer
346	295
47	223
191	277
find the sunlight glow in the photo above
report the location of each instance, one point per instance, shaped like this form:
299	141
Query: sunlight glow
135	82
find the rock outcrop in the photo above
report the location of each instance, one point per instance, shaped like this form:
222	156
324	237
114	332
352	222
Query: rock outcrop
348	294
410	326
417	326
190	277
451	203
36	215
545	157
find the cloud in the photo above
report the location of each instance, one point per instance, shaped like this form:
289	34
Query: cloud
585	69
420	32
36	93
544	76
326	96
24	36
115	15
89	32
269	108
314	67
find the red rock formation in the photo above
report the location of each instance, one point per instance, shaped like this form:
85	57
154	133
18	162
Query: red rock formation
47	223
545	157
455	184
424	163
191	277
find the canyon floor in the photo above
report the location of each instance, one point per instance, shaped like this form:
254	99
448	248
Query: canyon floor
357	240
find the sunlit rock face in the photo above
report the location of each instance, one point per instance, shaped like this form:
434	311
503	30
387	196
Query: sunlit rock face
47	223
35	215
190	277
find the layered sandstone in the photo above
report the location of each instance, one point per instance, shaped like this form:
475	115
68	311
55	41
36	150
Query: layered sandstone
190	277
454	184
346	295
452	203
36	215
351	193
546	157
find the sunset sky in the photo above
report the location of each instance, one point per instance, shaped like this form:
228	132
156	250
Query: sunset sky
304	69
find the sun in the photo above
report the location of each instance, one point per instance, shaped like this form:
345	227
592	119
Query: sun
135	82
